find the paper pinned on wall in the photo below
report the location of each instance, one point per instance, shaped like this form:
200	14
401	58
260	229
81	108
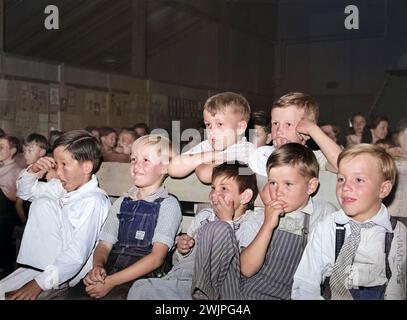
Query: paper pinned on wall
54	96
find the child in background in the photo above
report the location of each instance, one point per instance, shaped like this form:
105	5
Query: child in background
368	259
225	116
9	170
358	123
260	129
265	267
141	226
34	148
64	221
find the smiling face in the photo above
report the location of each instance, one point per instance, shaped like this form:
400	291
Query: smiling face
223	128
146	167
360	187
287	184
72	173
284	122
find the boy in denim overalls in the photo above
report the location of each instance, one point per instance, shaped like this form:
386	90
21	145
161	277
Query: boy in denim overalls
141	226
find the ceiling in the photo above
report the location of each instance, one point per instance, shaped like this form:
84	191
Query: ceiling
97	34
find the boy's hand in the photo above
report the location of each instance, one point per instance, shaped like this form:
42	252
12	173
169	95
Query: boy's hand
97	274
43	164
272	213
304	129
224	210
29	291
99	290
184	243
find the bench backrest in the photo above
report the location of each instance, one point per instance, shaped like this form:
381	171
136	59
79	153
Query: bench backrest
115	179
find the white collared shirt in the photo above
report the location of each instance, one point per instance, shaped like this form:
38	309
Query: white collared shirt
76	217
369	263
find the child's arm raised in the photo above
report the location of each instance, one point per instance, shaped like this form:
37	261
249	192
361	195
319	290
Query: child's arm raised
182	165
28	186
328	147
252	257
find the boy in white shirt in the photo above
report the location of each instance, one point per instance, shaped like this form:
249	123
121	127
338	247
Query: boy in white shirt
225	116
294	118
65	218
371	262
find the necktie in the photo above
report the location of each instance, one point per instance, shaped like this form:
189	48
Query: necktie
342	267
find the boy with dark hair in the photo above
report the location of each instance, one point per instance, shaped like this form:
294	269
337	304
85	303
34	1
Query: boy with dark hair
264	268
65	218
232	197
260	128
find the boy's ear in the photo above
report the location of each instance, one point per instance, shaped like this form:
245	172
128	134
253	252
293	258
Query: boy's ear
312	185
385	189
246	196
43	152
87	167
241	127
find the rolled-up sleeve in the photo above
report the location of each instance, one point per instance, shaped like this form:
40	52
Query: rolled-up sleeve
168	223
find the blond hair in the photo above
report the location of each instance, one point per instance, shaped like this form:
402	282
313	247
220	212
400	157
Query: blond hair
161	144
386	162
236	102
300	101
297	156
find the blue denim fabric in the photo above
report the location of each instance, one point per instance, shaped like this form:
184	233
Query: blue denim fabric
137	222
368	293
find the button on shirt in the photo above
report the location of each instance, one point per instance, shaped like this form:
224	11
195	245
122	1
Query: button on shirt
319	256
74	218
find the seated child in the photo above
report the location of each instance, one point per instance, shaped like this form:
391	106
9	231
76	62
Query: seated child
358	123
294	118
9	170
232	199
141	226
260	129
356	252
64	221
35	147
225	116
265	267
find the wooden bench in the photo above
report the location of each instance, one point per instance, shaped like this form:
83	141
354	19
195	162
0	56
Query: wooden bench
115	179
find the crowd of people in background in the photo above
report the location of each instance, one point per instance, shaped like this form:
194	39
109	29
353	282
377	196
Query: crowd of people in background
284	148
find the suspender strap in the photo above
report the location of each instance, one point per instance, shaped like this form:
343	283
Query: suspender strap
387	245
305	230
339	238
